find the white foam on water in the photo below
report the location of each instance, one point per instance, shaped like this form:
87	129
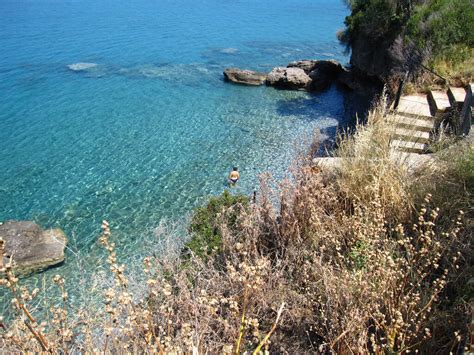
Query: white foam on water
229	50
81	66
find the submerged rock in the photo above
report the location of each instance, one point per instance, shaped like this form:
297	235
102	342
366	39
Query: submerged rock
81	66
245	77
288	78
32	248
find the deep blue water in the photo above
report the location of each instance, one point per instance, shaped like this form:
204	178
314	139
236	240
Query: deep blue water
152	130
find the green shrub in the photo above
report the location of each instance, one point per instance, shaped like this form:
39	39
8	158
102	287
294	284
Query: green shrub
377	19
440	28
206	222
465	168
451	183
444	26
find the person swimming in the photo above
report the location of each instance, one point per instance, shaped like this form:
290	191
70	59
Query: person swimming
234	176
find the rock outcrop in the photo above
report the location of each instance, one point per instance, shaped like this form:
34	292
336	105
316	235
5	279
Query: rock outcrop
329	67
31	248
353	80
385	60
321	72
310	75
289	78
245	77
307	65
324	73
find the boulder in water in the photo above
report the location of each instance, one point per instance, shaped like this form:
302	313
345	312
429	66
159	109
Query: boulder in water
31	248
245	77
288	78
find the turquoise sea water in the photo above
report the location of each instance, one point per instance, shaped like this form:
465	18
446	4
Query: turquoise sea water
152	130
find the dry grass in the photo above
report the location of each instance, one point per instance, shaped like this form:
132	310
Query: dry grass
315	265
368	170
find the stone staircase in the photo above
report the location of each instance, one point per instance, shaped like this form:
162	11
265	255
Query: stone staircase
418	116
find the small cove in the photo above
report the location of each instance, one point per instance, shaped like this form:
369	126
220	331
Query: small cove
151	130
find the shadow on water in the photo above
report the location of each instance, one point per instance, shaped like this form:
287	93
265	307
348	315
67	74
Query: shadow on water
350	107
305	107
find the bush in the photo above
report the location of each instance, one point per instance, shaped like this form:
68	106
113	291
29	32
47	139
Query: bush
441	24
445	28
452	182
439	29
376	19
206	223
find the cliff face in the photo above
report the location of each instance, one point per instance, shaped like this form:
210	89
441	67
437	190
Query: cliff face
379	61
375	31
392	37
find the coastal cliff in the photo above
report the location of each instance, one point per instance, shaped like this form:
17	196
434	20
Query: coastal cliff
390	38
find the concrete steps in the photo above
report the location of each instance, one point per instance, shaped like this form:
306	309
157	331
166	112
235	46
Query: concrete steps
414	106
409	147
417	116
416	124
413	123
410	135
456	96
439	102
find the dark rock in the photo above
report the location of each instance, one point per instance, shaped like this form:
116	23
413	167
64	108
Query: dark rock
306	65
354	80
245	77
31	248
385	59
324	73
288	78
330	66
321	72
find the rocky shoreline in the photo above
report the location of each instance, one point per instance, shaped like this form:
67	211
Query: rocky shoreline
29	248
308	75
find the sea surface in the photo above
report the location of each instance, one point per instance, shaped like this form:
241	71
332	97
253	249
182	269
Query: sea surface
147	129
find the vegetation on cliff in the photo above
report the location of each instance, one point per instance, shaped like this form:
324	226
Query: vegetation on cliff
361	261
206	223
440	31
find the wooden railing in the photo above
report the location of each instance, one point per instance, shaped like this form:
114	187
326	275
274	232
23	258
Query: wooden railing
464	123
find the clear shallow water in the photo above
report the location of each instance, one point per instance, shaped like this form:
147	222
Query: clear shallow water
152	130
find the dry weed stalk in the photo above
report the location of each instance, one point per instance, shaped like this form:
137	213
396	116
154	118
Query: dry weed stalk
19	298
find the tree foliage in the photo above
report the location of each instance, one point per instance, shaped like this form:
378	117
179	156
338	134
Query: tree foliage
442	27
